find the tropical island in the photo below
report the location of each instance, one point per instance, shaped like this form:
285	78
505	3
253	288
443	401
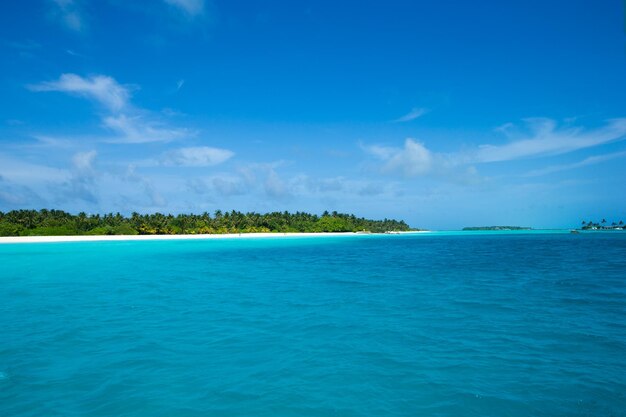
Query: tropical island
602	225
498	228
60	223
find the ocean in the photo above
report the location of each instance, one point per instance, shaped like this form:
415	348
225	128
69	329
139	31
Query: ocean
440	324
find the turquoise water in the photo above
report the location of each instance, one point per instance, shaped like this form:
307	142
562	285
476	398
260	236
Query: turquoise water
471	324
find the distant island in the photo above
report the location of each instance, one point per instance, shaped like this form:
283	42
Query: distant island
602	225
60	223
499	228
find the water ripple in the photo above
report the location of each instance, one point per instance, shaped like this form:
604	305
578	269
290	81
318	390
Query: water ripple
466	325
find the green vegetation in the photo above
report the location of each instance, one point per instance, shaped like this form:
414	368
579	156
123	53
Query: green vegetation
496	228
60	223
602	225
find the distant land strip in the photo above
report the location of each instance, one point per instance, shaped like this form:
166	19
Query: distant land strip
502	228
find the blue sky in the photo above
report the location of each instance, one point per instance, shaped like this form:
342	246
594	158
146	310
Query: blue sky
444	114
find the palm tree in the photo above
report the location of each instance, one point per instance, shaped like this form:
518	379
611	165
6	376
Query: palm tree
81	221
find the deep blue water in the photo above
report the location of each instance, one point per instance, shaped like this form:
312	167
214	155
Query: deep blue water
486	324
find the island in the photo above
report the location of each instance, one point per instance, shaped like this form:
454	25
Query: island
497	228
60	223
602	225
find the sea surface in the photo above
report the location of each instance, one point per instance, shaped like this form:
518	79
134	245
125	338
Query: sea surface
441	324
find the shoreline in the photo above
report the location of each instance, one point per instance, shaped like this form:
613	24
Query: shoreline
115	238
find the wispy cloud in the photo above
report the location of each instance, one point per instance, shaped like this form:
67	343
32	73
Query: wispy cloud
189	7
198	156
68	11
412	115
136	129
131	124
592	160
414	159
547	139
266	182
100	88
74	53
82	183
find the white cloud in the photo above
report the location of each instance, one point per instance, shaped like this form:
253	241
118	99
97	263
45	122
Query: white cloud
546	139
132	124
412	115
80	185
198	156
411	160
69	14
83	161
585	162
381	152
100	88
190	7
73	53
135	129
267	183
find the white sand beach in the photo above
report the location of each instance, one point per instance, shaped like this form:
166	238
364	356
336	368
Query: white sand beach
110	238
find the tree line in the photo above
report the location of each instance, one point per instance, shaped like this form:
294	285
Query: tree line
603	224
60	223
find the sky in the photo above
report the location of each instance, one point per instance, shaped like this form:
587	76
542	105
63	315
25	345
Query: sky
444	114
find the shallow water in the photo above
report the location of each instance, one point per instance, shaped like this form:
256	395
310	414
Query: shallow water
470	324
